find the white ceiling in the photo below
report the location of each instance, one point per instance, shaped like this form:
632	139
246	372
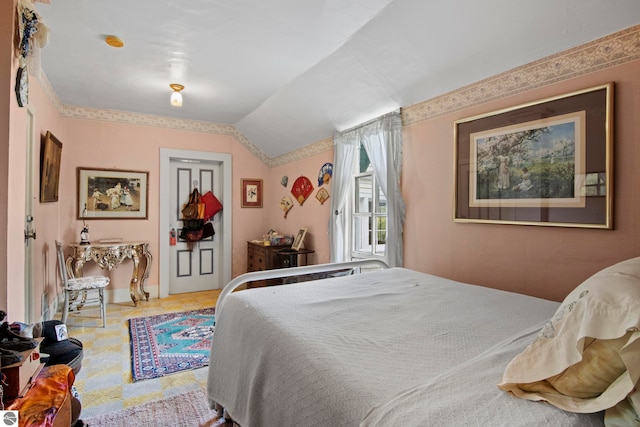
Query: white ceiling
288	73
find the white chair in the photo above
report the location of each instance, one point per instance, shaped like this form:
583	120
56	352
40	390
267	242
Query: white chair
76	290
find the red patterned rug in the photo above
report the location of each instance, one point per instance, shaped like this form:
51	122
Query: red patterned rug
170	343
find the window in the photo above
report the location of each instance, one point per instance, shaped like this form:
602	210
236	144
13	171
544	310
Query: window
595	184
369	213
366	204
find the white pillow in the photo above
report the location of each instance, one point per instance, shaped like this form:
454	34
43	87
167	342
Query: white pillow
587	357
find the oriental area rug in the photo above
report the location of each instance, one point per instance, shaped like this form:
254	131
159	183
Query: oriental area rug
170	343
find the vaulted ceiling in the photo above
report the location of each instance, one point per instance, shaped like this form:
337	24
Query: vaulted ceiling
290	73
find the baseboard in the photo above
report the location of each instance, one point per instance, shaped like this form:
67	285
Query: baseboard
112	296
122	295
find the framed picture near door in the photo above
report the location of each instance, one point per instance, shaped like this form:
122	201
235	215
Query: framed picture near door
50	168
251	193
112	194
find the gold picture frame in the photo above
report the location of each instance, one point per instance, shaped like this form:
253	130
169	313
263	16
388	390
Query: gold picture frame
50	168
251	196
112	194
548	163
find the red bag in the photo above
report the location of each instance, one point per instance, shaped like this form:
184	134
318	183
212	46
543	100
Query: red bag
211	205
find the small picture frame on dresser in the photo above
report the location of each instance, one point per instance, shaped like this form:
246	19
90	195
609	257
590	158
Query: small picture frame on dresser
297	242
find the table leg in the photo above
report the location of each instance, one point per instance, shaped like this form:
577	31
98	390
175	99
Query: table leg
134	277
145	276
77	267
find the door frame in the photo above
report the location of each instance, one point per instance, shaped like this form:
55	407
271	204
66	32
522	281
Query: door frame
30	175
224	161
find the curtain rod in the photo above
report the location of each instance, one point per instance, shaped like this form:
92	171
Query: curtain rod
397	110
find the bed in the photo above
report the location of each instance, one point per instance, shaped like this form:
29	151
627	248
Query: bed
392	346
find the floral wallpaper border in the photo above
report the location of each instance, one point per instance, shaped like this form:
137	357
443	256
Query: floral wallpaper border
609	51
615	49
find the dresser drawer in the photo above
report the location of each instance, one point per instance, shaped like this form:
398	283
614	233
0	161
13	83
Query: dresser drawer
259	258
256	259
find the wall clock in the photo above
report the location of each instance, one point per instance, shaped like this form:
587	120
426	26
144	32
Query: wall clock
22	86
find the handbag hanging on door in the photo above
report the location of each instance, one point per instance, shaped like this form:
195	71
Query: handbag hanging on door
211	205
194	209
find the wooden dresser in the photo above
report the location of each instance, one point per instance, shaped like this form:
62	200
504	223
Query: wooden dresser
261	257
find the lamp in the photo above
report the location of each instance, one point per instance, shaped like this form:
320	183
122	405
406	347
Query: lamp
84	234
114	41
176	96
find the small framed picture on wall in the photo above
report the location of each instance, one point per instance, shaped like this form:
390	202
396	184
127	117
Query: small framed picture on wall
251	193
50	168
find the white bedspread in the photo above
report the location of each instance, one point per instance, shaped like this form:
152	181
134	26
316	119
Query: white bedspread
473	384
327	352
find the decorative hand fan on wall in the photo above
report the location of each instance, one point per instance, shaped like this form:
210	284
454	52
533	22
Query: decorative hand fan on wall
325	174
302	188
286	204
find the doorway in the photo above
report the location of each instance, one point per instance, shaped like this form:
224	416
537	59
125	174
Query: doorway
29	227
208	264
193	267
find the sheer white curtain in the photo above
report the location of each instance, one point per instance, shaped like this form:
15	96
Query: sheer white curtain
382	140
344	149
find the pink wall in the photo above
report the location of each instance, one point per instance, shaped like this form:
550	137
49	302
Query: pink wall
541	261
103	144
311	215
7	67
99	144
47	216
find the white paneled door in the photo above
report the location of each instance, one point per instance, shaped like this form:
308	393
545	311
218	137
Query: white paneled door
195	267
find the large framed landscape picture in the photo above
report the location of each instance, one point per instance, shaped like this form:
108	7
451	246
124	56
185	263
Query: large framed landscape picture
543	163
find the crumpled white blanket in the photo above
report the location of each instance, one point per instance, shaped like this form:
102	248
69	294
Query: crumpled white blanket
478	401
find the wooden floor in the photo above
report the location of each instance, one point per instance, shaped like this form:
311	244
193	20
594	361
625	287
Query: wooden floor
104	382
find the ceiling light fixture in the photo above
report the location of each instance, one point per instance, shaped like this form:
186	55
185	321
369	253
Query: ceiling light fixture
176	96
114	41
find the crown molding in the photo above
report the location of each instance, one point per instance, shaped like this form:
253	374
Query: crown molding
303	153
116	116
615	49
